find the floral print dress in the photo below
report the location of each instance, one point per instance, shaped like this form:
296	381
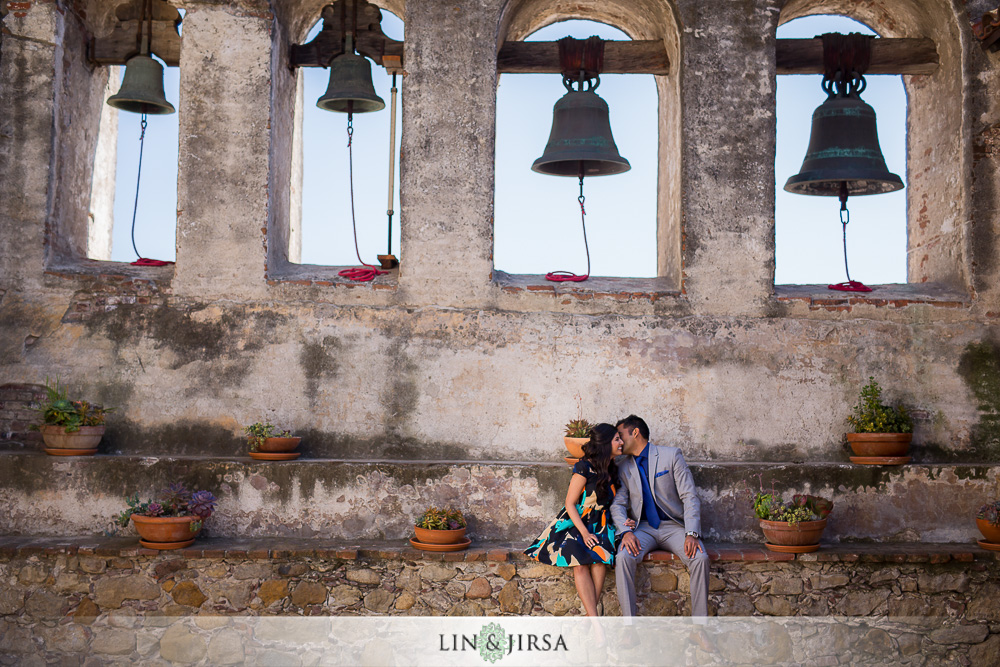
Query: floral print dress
561	543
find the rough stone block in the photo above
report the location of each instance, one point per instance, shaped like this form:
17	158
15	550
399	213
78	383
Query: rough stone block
823	582
188	594
770	605
113	641
663	581
960	634
941	583
308	592
379	601
226	648
109	592
344	596
45	605
179	644
510	598
93	564
435	572
786	586
479	589
364	576
251	571
272	591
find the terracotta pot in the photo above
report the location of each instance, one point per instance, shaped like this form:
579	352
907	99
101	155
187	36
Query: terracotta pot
803	533
87	437
990	532
880	444
279	444
428	536
575	446
165	532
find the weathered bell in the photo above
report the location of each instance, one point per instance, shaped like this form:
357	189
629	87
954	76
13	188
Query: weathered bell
350	82
580	143
843	148
142	88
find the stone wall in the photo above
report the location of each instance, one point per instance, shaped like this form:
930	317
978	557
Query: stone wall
937	602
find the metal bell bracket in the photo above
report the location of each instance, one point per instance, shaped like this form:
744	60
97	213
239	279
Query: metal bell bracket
121	44
360	20
581	60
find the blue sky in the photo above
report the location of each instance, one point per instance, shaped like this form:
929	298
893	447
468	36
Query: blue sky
537	222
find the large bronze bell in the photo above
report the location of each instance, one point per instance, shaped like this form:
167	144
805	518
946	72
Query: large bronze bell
843	148
351	89
142	88
580	142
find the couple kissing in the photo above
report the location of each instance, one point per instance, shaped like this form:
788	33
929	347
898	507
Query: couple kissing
627	497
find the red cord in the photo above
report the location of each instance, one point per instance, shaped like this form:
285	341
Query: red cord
357	274
569	276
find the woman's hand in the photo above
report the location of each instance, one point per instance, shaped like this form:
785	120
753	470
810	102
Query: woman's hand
590	540
630	523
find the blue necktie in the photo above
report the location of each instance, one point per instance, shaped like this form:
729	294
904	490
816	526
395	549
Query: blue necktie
648	504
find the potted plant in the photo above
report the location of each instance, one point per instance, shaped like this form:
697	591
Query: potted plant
440	530
267	443
988	522
794	527
70	428
172	521
882	433
577	434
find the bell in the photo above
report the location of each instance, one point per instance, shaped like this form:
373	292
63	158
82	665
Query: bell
350	82
142	88
843	148
580	143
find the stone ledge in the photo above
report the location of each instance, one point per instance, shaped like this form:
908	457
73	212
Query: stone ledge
820	297
270	548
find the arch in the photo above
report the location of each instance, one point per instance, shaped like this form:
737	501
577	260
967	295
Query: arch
639	19
937	165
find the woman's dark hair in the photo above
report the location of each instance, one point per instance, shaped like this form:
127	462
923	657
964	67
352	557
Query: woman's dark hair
597	452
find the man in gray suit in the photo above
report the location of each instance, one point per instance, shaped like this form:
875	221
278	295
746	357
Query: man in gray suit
656	490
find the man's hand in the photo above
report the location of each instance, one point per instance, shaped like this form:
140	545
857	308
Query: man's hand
691	546
630	543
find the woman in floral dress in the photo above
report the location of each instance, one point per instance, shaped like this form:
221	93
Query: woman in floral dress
582	535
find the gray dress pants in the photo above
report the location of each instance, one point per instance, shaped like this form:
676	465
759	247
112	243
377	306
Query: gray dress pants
669	537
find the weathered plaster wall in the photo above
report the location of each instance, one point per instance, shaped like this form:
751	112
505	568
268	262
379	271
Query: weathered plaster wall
439	361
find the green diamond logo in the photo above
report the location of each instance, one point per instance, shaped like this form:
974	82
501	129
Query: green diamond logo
492	642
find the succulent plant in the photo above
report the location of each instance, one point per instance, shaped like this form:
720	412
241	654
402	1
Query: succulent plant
202	504
769	506
990	512
441	519
578	428
175	500
58	410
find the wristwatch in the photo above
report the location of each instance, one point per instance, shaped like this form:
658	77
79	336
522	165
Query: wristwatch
693	534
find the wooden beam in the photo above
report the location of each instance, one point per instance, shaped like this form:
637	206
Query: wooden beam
635	57
121	44
889	56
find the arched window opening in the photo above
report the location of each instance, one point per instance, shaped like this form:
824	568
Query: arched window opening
808	232
537	225
320	217
116	173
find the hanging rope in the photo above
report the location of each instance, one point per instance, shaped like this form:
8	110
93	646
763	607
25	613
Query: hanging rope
567	276
357	274
845	217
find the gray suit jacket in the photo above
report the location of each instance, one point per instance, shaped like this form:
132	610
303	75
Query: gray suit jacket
672	486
